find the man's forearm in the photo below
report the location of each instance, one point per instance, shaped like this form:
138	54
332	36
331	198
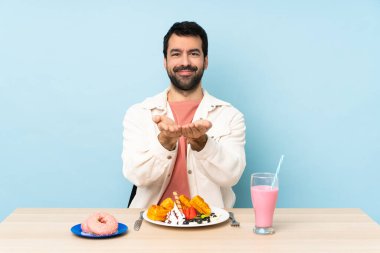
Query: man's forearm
199	143
168	143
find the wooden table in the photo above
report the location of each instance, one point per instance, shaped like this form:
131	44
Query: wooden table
297	230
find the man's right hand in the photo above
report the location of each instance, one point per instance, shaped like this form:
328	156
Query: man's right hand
169	131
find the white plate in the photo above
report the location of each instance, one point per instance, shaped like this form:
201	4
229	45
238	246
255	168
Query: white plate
222	216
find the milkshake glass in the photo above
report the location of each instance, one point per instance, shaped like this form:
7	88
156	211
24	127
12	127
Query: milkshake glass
264	192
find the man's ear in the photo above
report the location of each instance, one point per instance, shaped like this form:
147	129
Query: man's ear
206	62
165	62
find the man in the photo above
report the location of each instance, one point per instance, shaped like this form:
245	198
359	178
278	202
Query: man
184	139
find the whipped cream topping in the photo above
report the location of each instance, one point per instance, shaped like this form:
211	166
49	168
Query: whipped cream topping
175	216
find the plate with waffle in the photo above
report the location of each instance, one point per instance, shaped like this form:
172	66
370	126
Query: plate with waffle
180	211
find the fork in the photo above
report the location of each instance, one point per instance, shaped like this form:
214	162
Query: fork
234	222
139	221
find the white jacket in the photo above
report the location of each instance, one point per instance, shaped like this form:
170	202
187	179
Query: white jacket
211	172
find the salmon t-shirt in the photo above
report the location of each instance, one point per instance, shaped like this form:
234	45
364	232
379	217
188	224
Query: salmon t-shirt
183	113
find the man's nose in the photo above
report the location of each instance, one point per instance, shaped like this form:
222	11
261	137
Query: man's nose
185	60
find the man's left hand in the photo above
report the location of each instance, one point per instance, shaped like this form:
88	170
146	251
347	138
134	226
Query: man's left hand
196	133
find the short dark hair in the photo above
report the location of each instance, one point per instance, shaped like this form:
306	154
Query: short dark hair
186	28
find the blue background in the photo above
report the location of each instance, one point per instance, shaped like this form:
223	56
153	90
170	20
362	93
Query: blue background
304	73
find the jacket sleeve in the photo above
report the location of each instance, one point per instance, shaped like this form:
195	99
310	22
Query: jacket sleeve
145	160
222	159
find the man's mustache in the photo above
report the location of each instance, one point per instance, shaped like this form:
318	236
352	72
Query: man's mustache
188	67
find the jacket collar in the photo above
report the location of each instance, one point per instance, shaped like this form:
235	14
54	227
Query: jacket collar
159	101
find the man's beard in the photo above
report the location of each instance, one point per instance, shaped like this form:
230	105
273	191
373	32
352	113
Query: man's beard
186	83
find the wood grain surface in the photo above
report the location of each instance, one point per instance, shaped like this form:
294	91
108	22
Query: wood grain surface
297	230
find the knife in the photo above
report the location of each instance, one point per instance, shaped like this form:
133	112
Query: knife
138	222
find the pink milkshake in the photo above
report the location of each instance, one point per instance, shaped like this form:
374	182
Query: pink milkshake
264	199
264	192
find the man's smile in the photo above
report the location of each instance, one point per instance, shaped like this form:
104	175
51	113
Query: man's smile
185	73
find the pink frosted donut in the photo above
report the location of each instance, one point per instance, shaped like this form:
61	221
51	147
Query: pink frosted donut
85	227
102	224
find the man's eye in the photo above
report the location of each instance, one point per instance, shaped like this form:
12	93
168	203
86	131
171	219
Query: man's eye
175	54
195	54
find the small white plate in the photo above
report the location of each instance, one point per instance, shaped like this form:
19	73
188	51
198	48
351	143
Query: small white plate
222	216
